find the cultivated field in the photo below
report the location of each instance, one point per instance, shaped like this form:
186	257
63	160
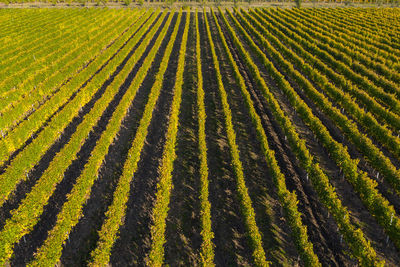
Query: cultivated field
133	137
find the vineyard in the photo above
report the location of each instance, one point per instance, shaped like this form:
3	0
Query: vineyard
224	137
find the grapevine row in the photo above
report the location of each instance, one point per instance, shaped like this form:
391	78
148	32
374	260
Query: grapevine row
15	69
374	156
28	48
17	171
353	52
28	79
50	252
20	134
63	72
381	133
108	233
14	21
207	249
386	99
386	32
358	26
375	202
378	56
245	201
28	213
387	85
360	32
392	119
360	247
27	40
163	195
353	37
288	199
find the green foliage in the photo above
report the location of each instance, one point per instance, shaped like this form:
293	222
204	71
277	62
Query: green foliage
42	82
366	119
343	61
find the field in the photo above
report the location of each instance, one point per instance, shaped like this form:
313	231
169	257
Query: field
225	137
